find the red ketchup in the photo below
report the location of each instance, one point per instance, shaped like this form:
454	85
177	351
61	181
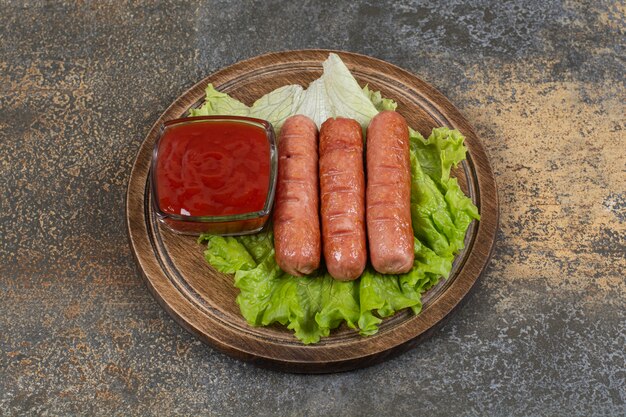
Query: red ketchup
216	168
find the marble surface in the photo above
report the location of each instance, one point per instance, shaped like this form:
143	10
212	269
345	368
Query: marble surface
542	82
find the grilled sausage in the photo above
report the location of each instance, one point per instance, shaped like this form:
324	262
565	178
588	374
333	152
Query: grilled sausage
297	239
388	195
342	192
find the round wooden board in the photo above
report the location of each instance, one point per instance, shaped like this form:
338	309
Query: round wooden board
203	300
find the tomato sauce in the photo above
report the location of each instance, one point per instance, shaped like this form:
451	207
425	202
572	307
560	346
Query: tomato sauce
212	169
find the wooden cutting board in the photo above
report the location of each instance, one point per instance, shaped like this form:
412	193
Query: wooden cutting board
202	300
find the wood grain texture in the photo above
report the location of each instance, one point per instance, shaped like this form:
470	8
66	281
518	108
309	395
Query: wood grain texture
203	300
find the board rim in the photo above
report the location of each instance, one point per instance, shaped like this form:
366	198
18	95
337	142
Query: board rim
295	360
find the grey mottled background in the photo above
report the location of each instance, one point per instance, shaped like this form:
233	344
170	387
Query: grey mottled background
542	82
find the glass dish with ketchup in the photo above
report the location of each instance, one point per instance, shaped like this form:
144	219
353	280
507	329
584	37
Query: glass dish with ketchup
214	174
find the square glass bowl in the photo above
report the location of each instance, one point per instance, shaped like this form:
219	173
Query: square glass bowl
195	151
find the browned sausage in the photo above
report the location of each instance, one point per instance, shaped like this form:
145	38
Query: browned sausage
342	192
388	194
297	239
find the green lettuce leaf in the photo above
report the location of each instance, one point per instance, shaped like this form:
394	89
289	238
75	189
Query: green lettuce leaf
226	254
343	95
336	93
278	105
378	101
314	305
217	103
440	152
